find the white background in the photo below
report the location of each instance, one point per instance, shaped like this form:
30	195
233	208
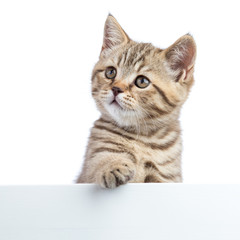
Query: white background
47	52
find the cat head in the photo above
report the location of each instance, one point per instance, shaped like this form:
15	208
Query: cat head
134	82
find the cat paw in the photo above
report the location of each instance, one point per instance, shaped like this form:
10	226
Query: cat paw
116	175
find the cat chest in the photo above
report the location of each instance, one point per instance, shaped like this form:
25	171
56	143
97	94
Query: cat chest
157	151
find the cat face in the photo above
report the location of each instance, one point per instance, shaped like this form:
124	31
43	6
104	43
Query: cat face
133	82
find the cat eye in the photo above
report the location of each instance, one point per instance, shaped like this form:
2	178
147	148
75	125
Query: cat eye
110	72
142	82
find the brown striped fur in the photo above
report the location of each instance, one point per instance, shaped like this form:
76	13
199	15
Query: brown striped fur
138	137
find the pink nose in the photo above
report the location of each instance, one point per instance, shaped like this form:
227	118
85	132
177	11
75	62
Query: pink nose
116	91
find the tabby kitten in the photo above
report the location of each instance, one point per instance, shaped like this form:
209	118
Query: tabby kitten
139	90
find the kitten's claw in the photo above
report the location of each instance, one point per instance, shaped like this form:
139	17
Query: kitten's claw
116	176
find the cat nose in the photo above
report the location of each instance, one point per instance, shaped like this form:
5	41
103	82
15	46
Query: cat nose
116	91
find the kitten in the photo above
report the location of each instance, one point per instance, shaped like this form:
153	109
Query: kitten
139	90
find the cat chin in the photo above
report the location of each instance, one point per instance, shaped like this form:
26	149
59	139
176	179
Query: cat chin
121	116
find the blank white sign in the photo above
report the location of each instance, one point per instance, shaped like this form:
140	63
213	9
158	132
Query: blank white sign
134	211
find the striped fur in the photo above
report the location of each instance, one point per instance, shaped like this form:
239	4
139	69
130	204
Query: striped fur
138	136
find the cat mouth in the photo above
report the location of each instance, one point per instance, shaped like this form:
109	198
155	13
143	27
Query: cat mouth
115	103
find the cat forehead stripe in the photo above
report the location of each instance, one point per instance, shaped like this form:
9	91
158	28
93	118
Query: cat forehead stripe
134	54
138	53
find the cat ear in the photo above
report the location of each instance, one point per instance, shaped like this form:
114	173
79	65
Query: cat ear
114	35
180	59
